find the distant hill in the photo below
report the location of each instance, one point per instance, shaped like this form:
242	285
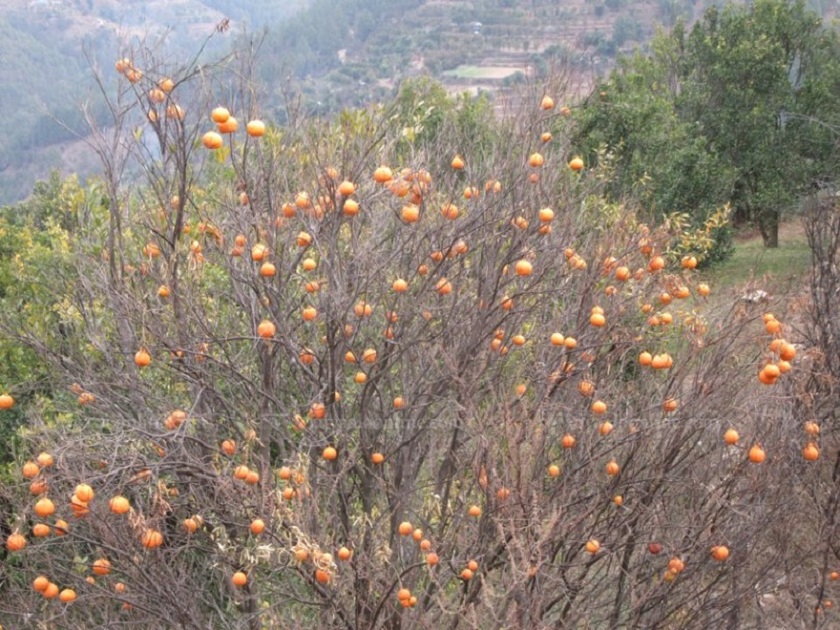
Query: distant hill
341	53
45	74
347	52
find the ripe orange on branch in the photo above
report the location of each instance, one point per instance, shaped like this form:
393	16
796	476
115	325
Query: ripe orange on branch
119	505
101	566
346	188
15	542
257	526
382	175
757	454
212	140
6	402
255	128
219	115
84	493
523	268
266	329
142	358
239	579
720	553
229	125
810	452
151	539
44	507
30	470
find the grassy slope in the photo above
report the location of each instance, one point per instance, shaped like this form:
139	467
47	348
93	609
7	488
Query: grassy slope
775	271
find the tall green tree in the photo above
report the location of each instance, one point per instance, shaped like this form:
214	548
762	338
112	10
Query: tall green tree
656	157
739	109
752	79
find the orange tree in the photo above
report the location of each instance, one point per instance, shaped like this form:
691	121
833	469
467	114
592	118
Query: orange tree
335	375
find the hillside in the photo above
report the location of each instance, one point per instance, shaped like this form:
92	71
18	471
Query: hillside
355	51
341	53
48	47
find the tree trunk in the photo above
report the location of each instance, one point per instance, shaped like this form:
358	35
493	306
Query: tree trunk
768	225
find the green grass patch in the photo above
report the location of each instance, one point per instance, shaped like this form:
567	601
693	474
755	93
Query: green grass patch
481	72
786	264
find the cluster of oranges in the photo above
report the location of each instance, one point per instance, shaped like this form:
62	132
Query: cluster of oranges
780	348
227	124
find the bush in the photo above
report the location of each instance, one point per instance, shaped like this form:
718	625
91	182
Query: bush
427	389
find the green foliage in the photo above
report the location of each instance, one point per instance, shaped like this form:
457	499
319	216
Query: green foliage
744	76
427	113
657	158
36	239
738	110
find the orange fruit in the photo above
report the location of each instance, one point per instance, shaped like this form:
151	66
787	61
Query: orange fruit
382	175
266	329
101	566
45	460
212	140
255	128
142	358
51	591
40	530
84	493
257	526
229	125
810	452
720	553
44	507
219	115
151	539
